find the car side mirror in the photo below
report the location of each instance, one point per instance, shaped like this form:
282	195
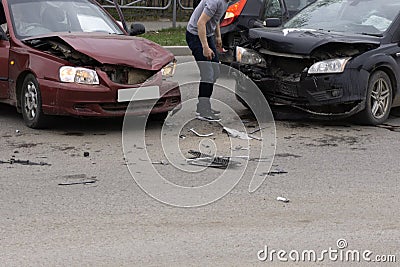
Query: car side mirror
258	24
137	29
273	22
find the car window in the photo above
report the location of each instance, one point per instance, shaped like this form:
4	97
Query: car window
355	16
272	9
37	17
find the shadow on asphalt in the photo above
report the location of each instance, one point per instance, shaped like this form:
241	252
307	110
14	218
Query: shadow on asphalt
73	125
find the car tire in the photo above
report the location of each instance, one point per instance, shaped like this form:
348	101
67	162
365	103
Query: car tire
378	100
31	103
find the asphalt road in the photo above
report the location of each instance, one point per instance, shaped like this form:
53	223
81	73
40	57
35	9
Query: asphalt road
342	181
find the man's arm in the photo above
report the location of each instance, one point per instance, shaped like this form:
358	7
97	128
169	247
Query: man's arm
218	37
201	28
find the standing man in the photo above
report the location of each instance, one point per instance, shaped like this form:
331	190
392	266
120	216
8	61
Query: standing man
203	36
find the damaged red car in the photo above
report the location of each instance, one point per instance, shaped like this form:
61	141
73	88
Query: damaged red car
70	57
333	59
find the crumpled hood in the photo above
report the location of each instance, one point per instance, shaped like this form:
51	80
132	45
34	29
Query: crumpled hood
304	41
120	50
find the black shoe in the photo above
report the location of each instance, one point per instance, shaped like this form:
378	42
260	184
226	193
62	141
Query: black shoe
209	116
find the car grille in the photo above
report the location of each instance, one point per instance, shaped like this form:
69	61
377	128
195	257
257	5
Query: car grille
127	75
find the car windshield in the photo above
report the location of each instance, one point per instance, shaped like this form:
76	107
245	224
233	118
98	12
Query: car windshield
353	16
31	18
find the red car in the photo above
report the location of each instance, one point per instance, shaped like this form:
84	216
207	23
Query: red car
70	57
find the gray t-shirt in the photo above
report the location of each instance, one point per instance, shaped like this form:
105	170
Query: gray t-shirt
214	9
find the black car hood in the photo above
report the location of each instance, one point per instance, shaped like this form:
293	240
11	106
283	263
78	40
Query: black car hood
303	41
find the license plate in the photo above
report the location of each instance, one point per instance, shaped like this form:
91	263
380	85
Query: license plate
138	94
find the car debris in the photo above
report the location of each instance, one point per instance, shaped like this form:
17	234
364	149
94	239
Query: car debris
206	160
91	181
277	172
283	199
162	162
241	135
200	135
14	161
258	130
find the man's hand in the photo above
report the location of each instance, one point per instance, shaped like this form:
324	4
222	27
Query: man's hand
208	53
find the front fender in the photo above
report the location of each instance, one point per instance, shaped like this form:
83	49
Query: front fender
389	63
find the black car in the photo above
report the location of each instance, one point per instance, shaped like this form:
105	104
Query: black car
242	15
334	58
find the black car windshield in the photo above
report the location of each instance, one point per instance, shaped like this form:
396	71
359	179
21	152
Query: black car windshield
353	16
31	18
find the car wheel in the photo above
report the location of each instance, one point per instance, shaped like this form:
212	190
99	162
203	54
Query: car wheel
379	99
31	102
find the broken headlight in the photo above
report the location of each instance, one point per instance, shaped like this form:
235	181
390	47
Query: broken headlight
169	70
329	66
250	57
70	74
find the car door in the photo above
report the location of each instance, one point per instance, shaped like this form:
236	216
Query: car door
4	54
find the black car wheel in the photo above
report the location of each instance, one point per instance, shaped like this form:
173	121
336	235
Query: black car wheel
31	102
379	99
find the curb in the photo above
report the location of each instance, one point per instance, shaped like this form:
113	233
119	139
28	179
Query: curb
179	51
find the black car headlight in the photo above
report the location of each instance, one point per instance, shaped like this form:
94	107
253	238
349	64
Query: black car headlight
329	66
249	57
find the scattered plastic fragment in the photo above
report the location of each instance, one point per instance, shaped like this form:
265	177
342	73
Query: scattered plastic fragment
276	172
201	159
91	181
86	154
241	135
182	136
162	162
200	135
283	199
257	130
24	162
17	131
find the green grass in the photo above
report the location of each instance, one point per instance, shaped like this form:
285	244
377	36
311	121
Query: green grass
167	37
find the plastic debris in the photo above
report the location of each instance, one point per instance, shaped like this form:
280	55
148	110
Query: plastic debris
86	154
200	135
162	162
257	130
206	160
24	162
276	172
17	131
241	135
283	199
91	181
182	136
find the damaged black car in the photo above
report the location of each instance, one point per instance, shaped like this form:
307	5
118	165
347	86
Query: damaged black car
336	58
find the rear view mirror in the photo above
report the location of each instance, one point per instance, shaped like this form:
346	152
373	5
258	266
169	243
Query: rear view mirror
258	24
273	22
137	29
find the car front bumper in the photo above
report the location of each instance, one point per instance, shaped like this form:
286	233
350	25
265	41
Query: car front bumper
341	94
101	101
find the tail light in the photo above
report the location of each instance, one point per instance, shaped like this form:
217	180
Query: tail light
233	12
